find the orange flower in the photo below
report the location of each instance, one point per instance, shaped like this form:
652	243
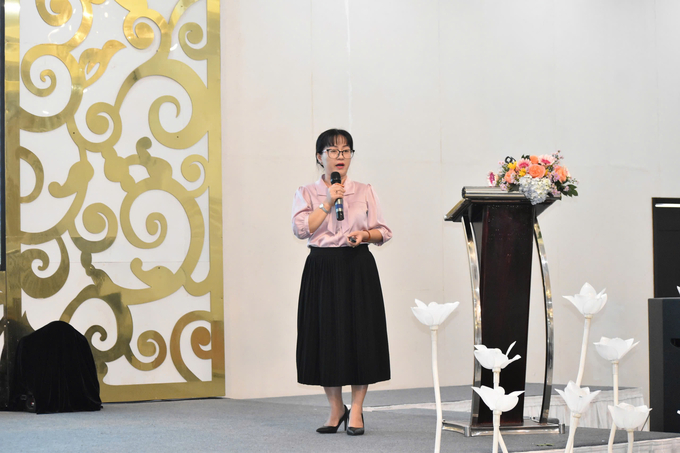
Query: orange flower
562	173
510	176
536	171
533	159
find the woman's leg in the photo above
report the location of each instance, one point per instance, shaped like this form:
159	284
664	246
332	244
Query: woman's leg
334	395
355	415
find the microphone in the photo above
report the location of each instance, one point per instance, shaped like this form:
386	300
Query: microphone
339	211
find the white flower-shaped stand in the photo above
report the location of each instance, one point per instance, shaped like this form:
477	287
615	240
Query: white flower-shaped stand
614	349
432	315
589	302
578	399
496	400
629	418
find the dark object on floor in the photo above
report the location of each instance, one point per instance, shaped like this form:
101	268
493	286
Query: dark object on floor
664	363
55	371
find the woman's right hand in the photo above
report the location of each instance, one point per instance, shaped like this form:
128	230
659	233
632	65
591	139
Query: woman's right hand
334	192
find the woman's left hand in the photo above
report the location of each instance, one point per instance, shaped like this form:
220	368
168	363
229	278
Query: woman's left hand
356	237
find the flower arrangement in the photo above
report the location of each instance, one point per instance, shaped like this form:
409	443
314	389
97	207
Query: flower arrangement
535	176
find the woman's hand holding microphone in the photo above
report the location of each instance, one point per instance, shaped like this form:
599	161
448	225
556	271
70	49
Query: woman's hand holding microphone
333	193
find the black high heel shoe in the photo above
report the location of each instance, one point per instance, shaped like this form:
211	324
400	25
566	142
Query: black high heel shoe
355	431
334	429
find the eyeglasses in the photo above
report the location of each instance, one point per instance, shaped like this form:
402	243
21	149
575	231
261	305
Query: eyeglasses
335	153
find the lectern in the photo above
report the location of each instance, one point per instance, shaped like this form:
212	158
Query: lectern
498	228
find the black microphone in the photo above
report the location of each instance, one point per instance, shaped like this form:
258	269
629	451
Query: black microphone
339	211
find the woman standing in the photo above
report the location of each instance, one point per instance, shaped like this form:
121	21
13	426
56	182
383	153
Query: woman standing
342	334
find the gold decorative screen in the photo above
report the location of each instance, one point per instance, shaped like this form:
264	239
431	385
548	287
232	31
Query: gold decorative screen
113	187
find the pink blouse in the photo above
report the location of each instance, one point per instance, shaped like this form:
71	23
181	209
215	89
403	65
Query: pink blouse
362	212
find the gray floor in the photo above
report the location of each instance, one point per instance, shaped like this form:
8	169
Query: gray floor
265	425
413	396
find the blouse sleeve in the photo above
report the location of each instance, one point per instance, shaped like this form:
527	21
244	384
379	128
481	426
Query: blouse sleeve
302	208
375	218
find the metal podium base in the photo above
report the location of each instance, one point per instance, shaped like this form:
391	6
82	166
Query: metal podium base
530	426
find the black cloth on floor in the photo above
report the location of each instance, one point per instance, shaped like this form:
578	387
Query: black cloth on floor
55	366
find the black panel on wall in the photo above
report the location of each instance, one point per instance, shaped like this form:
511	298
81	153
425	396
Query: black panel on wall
666	230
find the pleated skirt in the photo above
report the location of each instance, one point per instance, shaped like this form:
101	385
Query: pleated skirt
342	333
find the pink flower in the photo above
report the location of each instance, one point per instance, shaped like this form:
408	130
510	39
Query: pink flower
546	159
523	163
536	171
492	178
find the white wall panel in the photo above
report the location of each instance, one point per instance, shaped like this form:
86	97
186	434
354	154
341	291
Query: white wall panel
435	94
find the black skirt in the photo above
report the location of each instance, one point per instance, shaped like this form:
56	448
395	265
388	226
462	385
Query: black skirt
342	333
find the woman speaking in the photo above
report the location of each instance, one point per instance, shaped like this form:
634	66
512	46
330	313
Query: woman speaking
342	334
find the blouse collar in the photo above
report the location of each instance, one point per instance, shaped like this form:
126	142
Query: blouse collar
321	186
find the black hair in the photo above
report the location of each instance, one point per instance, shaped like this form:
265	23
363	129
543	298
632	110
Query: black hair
330	138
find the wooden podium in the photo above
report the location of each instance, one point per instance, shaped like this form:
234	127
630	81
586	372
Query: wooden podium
498	229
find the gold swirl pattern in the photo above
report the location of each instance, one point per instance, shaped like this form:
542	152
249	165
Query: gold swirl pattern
62	12
148	344
139	33
117	238
43	288
32	160
99	58
175	350
191	35
34	123
96	217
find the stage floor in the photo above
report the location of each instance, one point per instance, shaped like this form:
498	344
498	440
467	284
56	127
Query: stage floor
276	425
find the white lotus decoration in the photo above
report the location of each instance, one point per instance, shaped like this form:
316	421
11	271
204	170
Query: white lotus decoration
493	358
588	301
578	399
433	314
629	418
496	400
613	349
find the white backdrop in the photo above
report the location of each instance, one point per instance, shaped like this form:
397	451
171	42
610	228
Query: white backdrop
435	93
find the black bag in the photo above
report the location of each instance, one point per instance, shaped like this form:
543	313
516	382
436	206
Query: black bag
55	371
